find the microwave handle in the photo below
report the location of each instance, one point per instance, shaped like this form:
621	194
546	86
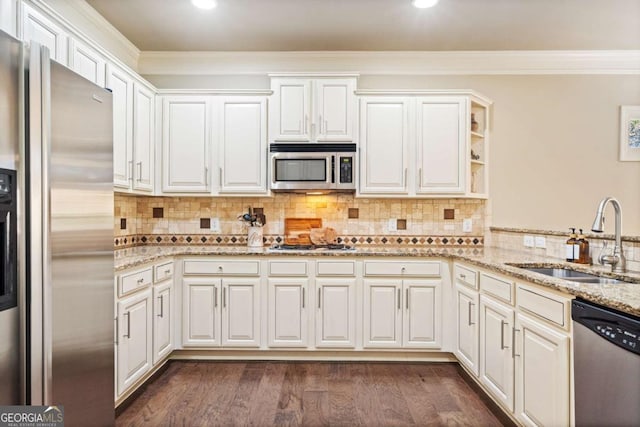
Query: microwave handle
333	169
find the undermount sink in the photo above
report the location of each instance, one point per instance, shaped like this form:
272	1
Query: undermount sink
573	275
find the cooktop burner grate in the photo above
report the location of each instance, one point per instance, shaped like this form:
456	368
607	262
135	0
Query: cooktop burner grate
333	247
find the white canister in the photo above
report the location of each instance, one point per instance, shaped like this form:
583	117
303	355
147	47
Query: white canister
254	237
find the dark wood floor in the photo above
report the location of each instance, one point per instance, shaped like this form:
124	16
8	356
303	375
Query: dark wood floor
313	394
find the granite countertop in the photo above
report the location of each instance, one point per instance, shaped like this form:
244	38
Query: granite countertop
622	296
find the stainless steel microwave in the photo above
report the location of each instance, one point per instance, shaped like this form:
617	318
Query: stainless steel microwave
313	167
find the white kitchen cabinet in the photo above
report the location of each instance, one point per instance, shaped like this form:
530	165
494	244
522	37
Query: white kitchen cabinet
243	144
543	379
383	313
241	312
86	62
496	346
319	109
121	85
135	338
186	142
38	28
336	308
143	138
441	140
162	320
288	312
384	145
467	332
402	313
221	312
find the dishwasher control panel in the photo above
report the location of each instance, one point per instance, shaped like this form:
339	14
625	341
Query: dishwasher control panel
621	336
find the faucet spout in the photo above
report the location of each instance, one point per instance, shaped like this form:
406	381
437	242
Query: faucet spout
616	259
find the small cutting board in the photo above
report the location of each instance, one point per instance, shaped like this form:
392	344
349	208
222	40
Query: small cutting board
297	230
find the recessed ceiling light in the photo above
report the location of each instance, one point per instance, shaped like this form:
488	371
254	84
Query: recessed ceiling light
423	4
204	4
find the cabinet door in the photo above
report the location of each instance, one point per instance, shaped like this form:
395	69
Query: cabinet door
288	312
290	114
134	339
382	313
143	142
441	137
335	107
467	328
542	374
86	62
241	312
496	359
384	143
243	145
336	320
121	87
186	140
36	27
162	320
421	323
201	313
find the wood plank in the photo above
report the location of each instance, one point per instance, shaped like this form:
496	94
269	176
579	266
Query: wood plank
394	406
240	408
297	230
316	408
265	405
290	409
420	403
342	410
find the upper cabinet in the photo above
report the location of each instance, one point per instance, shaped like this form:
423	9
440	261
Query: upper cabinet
86	62
305	109
38	28
133	131
420	144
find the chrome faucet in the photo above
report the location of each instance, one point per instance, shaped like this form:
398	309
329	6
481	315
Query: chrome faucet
615	259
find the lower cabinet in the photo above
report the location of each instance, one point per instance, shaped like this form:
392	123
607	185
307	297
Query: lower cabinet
288	310
402	313
466	347
336	308
542	373
134	338
162	320
221	312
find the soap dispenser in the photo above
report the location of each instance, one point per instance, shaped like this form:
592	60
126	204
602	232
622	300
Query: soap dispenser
583	253
571	253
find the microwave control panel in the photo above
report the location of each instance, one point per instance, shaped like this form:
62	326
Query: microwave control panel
346	170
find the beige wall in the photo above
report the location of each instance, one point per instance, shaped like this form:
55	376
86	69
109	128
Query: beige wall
554	145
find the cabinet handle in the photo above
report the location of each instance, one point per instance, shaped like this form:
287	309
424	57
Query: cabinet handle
320	123
303	297
319	297
399	299
206	176
215	296
513	343
140	280
407	299
128	335
471	322
115	341
220	176
420	177
326	127
139	171
224	297
130	171
306	123
404	183
502	325
161	315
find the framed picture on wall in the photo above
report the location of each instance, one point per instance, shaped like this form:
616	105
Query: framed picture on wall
629	133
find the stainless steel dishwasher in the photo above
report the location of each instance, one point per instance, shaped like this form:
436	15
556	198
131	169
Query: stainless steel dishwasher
606	346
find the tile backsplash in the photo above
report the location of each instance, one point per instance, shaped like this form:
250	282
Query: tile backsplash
417	219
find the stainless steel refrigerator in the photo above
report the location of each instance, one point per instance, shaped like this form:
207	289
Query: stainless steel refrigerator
56	134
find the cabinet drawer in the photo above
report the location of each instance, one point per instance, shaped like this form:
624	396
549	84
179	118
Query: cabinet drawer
552	308
163	271
287	268
499	288
402	268
130	282
465	276
234	268
336	268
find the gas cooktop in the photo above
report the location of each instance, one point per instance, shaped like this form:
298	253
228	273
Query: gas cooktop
330	247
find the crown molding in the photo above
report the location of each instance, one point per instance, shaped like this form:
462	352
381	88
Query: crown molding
247	92
391	62
423	92
125	48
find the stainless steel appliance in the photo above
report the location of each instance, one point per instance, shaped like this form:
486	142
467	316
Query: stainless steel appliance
56	133
327	247
606	366
313	167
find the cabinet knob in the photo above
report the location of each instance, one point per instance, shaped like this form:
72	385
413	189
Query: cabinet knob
167	271
140	280
463	276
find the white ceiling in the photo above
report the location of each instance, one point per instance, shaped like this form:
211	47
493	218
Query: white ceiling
313	25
